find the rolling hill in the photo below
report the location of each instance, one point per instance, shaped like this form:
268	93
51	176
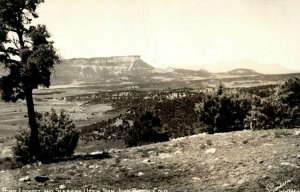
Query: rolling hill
243	72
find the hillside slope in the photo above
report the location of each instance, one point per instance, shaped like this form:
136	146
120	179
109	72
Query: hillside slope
267	160
243	72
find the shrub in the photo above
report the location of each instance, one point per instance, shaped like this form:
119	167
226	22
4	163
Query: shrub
57	135
146	129
264	115
289	92
280	110
289	95
225	112
267	113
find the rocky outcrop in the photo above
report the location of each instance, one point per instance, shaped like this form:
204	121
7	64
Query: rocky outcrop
130	62
100	68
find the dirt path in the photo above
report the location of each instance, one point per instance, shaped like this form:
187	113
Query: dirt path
238	161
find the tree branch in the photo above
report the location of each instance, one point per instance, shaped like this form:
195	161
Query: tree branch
10	50
15	42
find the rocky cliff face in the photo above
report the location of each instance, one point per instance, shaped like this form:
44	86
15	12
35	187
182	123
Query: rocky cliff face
127	68
101	68
131	62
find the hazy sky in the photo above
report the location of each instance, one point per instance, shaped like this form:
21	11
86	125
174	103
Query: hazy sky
177	33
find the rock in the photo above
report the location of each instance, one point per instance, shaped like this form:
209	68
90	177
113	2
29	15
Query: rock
285	164
270	167
260	161
196	179
241	181
297	132
146	160
164	155
62	187
140	174
289	164
152	152
160	166
96	153
93	166
225	185
298	156
208	143
24	179
265	177
226	160
202	146
211	150
41	179
111	151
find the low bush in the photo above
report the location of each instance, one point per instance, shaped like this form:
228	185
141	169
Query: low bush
268	113
58	137
146	129
280	110
225	112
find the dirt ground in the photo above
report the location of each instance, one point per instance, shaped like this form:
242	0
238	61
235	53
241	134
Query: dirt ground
267	160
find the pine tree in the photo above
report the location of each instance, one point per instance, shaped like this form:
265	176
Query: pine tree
27	53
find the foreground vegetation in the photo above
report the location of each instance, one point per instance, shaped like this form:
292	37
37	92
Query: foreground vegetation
161	118
221	110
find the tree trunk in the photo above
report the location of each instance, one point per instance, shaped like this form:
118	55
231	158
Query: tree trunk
34	139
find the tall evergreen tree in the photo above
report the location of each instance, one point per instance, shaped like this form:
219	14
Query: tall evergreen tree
28	54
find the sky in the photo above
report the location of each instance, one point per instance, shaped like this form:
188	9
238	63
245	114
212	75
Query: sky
177	33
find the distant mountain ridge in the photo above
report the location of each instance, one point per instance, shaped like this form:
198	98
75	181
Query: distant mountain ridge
242	71
100	68
127	68
263	68
132	69
132	61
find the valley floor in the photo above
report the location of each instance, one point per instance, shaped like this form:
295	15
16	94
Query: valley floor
267	160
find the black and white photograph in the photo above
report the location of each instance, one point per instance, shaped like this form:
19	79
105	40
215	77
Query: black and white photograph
149	95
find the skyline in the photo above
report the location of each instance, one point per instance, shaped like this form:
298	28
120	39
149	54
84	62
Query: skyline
191	34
